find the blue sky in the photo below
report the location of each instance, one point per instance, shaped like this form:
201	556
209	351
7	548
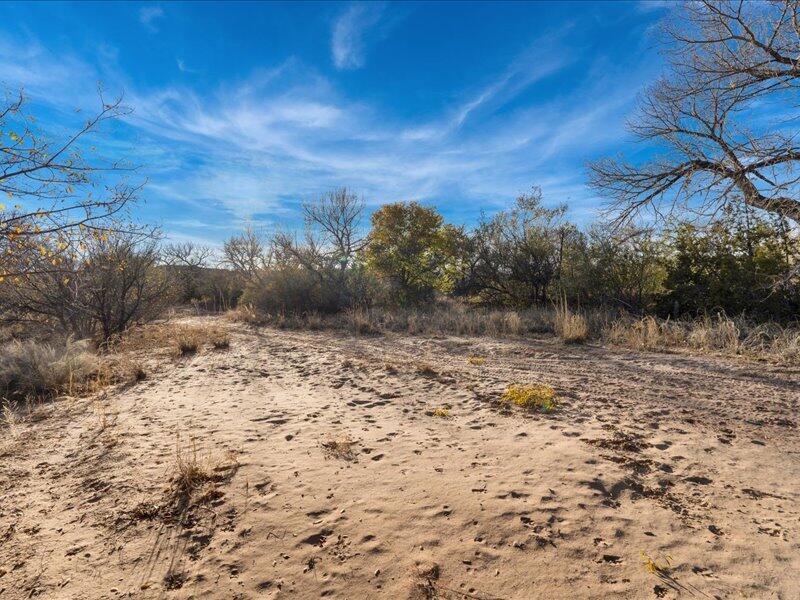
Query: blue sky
243	111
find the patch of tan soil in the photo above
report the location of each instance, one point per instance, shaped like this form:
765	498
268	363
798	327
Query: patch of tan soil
658	476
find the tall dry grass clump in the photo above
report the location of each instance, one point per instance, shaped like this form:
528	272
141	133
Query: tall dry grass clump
721	334
572	327
647	333
445	318
33	370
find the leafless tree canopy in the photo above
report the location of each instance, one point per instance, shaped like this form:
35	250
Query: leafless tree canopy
725	56
332	237
188	254
337	217
188	262
738	44
247	254
54	189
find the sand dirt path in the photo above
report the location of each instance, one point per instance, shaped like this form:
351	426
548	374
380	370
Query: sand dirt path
692	458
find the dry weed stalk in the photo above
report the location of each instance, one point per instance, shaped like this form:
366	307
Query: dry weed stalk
341	448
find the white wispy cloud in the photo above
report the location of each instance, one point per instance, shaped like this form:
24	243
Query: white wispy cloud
351	32
148	15
544	57
182	66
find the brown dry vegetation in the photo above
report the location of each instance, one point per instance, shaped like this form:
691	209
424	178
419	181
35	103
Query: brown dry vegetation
718	335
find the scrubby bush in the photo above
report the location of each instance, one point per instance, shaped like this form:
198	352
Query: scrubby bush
515	257
415	273
741	264
35	370
101	288
294	289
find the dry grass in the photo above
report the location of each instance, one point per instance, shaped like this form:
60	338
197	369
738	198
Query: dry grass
541	397
359	322
445	318
570	326
180	340
656	567
247	315
9	423
32	370
186	343
220	340
718	334
768	341
195	475
342	448
191	470
425	369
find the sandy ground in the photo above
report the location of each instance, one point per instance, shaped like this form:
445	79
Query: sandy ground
692	461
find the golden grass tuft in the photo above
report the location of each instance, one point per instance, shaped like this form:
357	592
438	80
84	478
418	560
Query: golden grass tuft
246	314
538	396
32	370
186	344
425	370
191	470
196	474
719	334
570	326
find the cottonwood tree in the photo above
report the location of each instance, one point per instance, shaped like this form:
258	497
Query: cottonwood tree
332	235
54	191
412	249
737	44
718	144
336	220
321	265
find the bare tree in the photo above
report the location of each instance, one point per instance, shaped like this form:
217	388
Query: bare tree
187	254
247	254
50	188
336	216
736	44
698	114
332	236
101	289
517	254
